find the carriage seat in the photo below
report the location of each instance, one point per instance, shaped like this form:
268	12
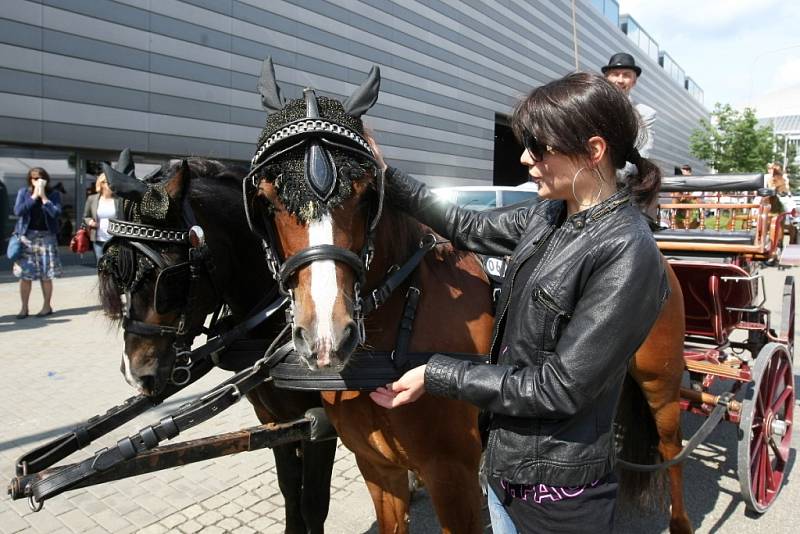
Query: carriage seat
727	237
712	292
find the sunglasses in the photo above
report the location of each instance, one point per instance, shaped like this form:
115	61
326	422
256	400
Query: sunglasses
534	147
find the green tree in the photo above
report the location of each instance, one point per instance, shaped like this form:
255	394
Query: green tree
792	169
732	141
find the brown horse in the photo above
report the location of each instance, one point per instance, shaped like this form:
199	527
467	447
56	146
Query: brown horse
323	222
231	274
649	415
323	216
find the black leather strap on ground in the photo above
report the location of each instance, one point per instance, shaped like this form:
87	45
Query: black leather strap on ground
365	371
702	433
188	416
56	450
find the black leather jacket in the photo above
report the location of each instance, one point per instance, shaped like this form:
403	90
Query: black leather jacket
592	300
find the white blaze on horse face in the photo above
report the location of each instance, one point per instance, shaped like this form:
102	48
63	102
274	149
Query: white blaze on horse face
323	290
129	378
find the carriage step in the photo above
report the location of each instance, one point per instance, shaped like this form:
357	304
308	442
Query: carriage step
719	369
746	325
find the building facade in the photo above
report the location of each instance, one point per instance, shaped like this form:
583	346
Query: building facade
82	79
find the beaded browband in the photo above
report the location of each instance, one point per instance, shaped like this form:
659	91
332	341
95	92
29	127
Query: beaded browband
306	126
144	232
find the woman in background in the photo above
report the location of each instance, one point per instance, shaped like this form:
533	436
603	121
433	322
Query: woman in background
38	208
100	208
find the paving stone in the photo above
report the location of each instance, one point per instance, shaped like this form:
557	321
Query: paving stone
244	529
210	517
10	522
193	511
247	500
230	509
213	529
229	523
261	524
42	521
214	502
173	520
190	526
245	516
141	518
231	494
155	528
77	521
112	521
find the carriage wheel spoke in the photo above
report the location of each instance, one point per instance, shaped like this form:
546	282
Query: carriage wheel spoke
755	447
779	406
781	453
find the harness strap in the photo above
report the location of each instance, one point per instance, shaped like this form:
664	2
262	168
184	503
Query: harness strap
698	437
381	294
365	371
318	253
202	361
400	353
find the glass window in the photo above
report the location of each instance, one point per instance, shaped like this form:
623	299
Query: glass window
477	200
515	197
611	11
598	4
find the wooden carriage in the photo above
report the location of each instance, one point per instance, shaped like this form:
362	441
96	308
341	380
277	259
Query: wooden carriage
717	231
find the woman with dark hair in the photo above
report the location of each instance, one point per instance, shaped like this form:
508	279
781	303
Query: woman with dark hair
38	208
584	284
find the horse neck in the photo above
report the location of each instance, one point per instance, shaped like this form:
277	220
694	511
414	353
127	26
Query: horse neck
396	238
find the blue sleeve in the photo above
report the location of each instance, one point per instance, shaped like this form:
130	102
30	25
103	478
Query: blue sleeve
53	208
24	202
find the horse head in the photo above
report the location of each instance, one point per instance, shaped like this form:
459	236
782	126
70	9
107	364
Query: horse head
314	195
144	274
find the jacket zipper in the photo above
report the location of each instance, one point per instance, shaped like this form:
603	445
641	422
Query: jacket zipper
551	304
511	285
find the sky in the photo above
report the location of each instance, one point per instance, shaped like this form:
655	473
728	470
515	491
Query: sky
740	52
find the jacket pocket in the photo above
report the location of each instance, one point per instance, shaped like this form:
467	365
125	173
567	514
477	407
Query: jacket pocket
560	315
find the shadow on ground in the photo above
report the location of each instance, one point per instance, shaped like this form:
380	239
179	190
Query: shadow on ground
10	322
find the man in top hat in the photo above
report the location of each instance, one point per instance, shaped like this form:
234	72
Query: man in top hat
623	72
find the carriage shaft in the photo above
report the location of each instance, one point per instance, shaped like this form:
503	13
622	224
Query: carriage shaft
178	454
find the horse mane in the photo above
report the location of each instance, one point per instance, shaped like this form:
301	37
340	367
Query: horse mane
404	233
208	178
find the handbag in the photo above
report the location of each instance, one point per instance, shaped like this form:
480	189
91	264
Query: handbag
14	249
80	242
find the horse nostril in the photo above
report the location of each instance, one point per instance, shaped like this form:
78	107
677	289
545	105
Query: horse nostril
301	342
349	339
148	384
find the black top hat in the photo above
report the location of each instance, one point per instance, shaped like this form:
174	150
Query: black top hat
622	60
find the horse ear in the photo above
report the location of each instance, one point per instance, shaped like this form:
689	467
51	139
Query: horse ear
125	163
271	98
366	95
179	181
123	185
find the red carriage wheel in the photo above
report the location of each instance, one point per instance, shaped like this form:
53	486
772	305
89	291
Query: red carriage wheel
787	314
765	429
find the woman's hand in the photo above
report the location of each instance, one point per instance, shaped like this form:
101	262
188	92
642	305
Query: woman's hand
406	390
376	150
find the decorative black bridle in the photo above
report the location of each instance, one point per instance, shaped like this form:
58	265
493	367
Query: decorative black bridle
318	136
171	280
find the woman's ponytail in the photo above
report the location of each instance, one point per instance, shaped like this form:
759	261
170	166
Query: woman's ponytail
646	183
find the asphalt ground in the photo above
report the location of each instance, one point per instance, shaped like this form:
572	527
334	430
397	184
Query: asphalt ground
60	370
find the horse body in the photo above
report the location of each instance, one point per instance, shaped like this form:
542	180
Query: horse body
652	415
436	438
214	196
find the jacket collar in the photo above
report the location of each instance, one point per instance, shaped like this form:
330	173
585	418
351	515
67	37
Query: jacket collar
553	210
